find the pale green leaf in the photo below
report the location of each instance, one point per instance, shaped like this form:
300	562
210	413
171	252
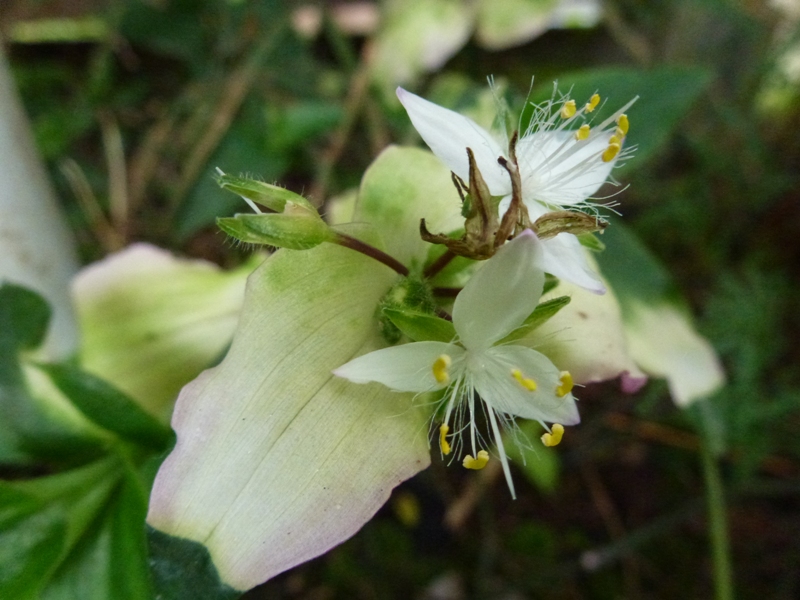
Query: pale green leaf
658	324
151	321
401	187
277	460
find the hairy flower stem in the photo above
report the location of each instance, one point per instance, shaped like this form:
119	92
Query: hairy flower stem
718	526
440	263
371	251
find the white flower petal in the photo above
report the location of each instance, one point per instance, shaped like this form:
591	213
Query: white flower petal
449	134
406	368
497	386
565	257
559	170
501	294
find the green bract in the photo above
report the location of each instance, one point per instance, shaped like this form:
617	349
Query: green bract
276	460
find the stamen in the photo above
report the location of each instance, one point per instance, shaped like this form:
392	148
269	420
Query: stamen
614	140
527	383
566	384
623	124
593	102
611	152
443	443
582	133
568	110
440	366
476	464
553	438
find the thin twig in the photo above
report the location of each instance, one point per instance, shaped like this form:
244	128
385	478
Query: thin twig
98	223
236	90
118	205
359	84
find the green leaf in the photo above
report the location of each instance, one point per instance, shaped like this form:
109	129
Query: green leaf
402	186
540	315
42	520
658	324
421	327
106	406
592	242
542	466
183	570
110	559
23	319
665	96
151	321
36	421
270	426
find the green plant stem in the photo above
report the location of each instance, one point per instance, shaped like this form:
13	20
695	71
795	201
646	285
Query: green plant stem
718	526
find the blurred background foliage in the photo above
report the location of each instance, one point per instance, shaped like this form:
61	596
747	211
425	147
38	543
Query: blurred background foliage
133	104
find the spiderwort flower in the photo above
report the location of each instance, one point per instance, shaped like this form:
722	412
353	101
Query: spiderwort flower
561	166
511	380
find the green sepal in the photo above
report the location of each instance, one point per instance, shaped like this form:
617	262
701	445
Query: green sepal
591	242
273	197
421	327
108	407
550	283
540	315
300	230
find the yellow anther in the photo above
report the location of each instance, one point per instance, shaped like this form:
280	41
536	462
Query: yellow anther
476	464
582	133
614	140
566	384
622	124
593	102
610	152
443	443
619	133
568	109
526	382
440	366
553	438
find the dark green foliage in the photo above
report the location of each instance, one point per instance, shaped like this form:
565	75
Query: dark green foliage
182	570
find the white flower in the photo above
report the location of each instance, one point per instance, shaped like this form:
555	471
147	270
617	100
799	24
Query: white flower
561	167
511	380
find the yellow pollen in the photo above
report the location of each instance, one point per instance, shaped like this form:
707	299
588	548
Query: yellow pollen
476	464
593	102
622	124
614	140
554	438
527	383
582	133
568	109
440	366
566	384
610	152
443	443
618	133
